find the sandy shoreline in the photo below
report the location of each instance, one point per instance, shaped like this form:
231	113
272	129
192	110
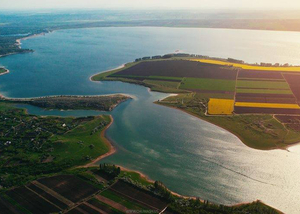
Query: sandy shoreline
18	41
6	72
111	151
119	67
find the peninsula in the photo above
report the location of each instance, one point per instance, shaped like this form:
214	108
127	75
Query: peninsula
259	103
99	103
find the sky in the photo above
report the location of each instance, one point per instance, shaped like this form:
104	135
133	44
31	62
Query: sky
149	4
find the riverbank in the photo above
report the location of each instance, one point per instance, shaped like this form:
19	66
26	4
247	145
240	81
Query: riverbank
144	177
112	149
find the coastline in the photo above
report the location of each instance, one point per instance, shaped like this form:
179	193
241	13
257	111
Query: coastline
6	72
236	135
18	41
111	151
119	67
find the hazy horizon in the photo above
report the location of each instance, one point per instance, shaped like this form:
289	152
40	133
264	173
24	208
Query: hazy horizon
153	4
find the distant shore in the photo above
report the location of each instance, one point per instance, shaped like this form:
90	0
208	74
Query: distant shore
18	41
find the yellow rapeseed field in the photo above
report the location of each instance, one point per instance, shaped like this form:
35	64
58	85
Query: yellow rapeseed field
267	105
220	106
248	67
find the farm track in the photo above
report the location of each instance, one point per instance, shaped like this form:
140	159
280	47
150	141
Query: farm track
95	208
43	198
53	193
112	203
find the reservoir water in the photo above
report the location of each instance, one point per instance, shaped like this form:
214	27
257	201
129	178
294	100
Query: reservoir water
190	156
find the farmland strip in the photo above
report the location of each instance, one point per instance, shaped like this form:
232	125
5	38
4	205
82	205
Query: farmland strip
139	196
175	68
6	207
47	196
112	203
294	82
43	198
95	208
66	185
31	201
249	67
267	105
264	91
53	193
88	209
266	95
250	110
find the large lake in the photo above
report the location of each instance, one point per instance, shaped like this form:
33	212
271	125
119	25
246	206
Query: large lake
190	156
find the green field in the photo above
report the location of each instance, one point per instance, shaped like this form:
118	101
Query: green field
162	78
262	84
66	147
208	84
167	84
263	91
166	78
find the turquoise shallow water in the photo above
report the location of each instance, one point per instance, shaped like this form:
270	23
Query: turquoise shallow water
190	156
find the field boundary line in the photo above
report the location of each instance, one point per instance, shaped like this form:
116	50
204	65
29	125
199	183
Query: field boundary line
112	203
43	197
95	208
235	90
80	210
54	194
290	88
147	205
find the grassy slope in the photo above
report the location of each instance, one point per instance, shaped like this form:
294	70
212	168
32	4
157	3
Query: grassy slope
67	146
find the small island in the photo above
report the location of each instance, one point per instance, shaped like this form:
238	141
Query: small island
259	103
3	71
99	103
